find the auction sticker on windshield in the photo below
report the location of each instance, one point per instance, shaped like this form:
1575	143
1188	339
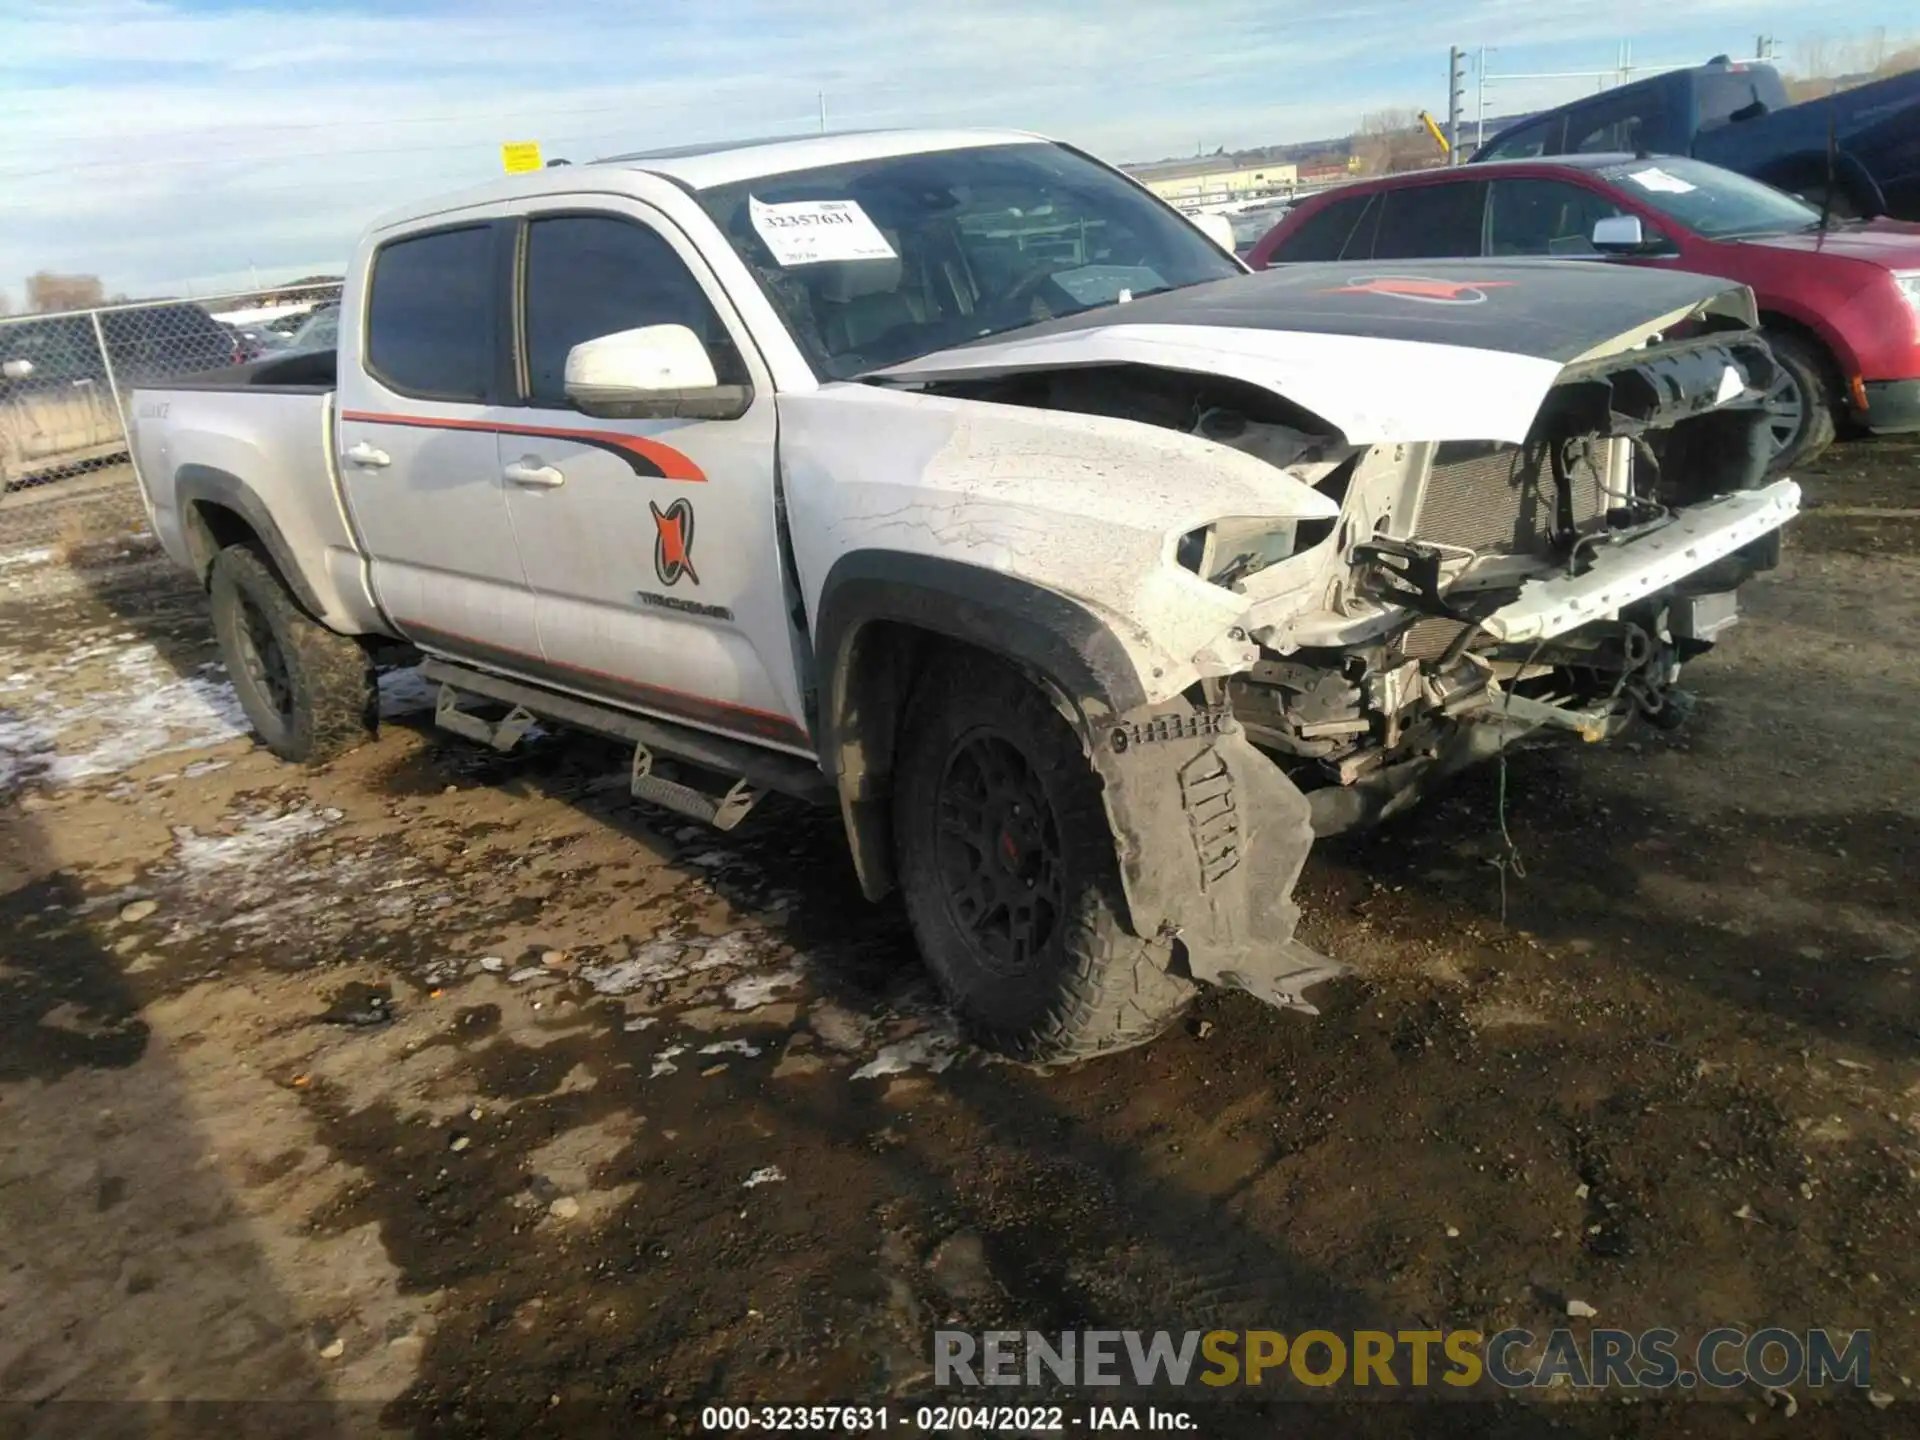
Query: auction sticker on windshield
808	232
1654	178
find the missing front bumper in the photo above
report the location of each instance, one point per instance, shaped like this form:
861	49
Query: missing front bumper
1211	837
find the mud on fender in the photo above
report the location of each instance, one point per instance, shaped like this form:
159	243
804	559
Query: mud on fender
1211	837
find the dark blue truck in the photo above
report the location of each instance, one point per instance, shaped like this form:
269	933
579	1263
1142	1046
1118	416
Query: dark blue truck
1857	150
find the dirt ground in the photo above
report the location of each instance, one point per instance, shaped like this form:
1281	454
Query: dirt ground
468	1091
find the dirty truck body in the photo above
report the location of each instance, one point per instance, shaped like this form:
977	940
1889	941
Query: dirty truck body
950	479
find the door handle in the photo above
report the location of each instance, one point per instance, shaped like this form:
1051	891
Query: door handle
367	457
531	473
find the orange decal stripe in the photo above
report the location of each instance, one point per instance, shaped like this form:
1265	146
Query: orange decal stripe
655	458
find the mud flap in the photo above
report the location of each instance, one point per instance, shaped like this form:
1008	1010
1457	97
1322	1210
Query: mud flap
1211	838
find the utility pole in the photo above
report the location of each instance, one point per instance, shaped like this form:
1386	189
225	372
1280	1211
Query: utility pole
1456	98
823	112
1480	99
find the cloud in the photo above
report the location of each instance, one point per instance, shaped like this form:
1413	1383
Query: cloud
161	142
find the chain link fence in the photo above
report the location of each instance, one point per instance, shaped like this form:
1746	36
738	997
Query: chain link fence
68	492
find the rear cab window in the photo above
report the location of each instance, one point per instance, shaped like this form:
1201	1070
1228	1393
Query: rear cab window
432	313
1721	96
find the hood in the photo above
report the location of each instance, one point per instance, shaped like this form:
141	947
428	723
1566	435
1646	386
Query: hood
1894	244
1383	353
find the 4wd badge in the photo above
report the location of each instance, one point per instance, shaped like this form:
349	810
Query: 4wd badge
673	542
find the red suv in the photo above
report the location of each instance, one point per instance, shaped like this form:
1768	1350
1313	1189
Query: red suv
1839	302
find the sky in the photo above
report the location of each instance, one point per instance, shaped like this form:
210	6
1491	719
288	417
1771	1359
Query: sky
182	146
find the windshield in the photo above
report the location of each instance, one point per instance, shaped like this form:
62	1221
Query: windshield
878	262
1710	201
320	331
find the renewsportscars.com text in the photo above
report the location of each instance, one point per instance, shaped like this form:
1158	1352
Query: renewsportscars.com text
1515	1359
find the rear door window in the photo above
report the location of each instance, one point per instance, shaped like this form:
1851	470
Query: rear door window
431	314
1430	222
1322	235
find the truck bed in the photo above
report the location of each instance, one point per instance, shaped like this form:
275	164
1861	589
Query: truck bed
256	442
307	372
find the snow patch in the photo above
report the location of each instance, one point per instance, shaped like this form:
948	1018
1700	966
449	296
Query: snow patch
750	992
933	1049
260	838
137	709
651	964
765	1175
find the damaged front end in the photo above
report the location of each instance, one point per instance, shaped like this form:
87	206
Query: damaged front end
1468	595
1468	532
1486	592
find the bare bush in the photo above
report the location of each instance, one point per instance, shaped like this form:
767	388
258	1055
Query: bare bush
48	292
1390	140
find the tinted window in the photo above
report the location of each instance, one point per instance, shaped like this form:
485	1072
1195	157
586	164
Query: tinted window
1431	222
1526	144
594	275
1544	217
1724	94
1322	235
1633	123
1359	245
430	314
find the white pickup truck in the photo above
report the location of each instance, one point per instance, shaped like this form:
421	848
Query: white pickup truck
953	479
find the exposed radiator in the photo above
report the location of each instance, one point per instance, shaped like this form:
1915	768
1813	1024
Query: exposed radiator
1501	498
1428	639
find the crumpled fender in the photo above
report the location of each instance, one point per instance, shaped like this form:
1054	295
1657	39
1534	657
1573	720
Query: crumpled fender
1211	837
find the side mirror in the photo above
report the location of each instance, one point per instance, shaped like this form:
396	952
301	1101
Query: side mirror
17	369
1217	228
1625	235
658	372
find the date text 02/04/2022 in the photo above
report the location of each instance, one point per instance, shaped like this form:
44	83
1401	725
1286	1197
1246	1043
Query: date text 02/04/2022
938	1419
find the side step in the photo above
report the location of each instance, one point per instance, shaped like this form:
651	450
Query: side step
502	735
746	770
723	812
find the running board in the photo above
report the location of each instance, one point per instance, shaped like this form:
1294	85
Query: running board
747	771
502	735
723	812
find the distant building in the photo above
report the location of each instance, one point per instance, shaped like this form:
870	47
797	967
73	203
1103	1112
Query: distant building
1217	177
1332	170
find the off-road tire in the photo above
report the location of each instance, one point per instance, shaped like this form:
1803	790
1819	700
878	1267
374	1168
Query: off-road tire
329	697
1092	987
1806	364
